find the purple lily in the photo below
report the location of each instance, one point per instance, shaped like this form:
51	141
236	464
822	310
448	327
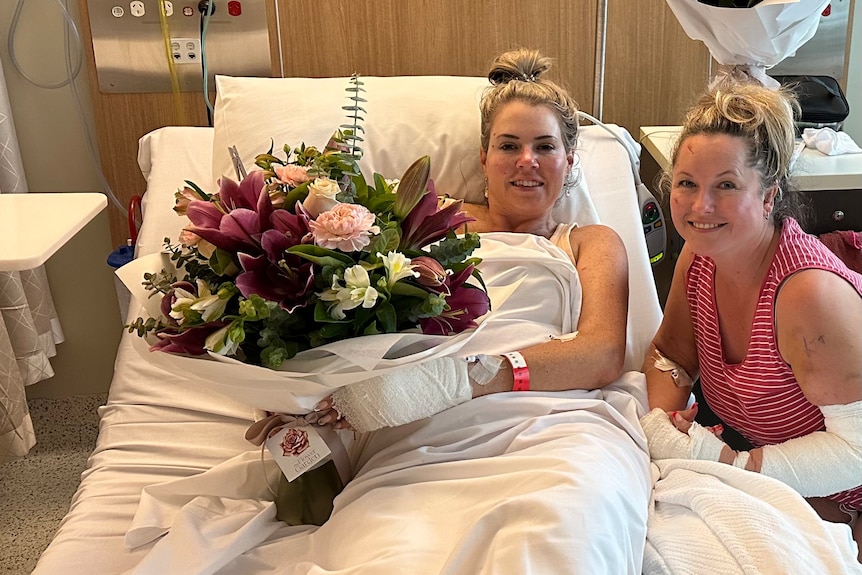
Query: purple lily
188	341
246	194
235	222
289	285
464	304
274	275
426	224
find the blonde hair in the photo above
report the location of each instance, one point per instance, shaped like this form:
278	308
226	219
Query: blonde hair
764	119
517	76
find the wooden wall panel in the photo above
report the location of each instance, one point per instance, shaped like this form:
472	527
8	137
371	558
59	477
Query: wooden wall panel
653	70
437	37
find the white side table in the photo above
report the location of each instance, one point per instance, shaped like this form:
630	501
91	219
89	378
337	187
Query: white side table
34	226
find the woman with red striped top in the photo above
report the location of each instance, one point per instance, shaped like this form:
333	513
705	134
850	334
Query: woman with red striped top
765	315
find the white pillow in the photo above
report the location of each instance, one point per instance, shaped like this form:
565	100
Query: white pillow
406	117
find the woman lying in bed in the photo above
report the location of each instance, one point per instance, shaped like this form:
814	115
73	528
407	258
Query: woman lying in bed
540	482
529	131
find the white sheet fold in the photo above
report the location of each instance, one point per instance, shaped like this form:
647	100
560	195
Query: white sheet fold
528	483
736	521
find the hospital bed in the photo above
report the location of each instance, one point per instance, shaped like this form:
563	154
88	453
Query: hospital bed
165	490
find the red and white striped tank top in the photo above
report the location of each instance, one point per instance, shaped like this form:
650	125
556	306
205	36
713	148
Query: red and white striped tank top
760	397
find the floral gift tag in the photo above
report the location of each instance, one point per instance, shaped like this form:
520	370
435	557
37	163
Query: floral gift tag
297	450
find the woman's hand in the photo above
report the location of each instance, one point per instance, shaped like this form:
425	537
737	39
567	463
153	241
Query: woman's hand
682	420
325	414
676	435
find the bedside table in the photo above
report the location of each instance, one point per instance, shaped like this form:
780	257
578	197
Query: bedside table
34	226
831	184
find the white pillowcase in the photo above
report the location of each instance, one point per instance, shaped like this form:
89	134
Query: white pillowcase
406	117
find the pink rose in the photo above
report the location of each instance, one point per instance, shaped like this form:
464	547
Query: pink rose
294	442
190	239
321	196
346	227
292	175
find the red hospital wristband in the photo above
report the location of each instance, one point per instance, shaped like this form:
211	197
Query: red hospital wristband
519	370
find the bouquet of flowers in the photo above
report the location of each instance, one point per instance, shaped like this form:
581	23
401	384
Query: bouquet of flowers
301	269
303	252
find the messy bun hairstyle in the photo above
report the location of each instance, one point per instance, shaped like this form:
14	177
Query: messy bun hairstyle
764	118
517	76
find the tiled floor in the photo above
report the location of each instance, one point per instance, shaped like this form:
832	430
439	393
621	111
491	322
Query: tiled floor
35	491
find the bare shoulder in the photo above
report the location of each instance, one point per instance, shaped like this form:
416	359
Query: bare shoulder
599	248
815	292
595	236
819	334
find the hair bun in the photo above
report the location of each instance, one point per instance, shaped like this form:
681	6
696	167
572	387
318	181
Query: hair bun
522	65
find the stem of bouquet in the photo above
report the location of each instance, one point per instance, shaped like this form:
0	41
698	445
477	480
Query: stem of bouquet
308	499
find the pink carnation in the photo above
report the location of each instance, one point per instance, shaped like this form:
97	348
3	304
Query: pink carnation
292	175
346	227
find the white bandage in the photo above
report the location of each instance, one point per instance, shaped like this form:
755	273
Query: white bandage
680	376
667	442
404	395
824	462
484	368
816	465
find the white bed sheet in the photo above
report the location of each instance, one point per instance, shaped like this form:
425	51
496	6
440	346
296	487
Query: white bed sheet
158	428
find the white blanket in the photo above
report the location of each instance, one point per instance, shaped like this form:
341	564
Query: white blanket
708	517
509	483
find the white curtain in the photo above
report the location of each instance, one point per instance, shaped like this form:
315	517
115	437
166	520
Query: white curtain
29	327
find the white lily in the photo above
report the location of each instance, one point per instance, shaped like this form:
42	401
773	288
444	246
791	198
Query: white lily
210	304
397	267
221	343
183	300
356	291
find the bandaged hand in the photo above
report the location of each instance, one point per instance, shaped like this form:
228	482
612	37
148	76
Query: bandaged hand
667	442
399	397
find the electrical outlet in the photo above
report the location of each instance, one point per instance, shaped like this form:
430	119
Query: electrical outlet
186	50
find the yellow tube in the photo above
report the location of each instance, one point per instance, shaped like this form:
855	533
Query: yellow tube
179	108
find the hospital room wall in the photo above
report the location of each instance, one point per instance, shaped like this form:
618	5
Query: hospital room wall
424	38
56	158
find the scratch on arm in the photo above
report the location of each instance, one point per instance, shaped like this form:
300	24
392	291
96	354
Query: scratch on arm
809	344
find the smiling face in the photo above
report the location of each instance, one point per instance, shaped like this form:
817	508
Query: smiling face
716	199
526	163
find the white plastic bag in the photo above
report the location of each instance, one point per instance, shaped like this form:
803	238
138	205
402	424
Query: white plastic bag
754	39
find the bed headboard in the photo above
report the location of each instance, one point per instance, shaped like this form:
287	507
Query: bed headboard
407	117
